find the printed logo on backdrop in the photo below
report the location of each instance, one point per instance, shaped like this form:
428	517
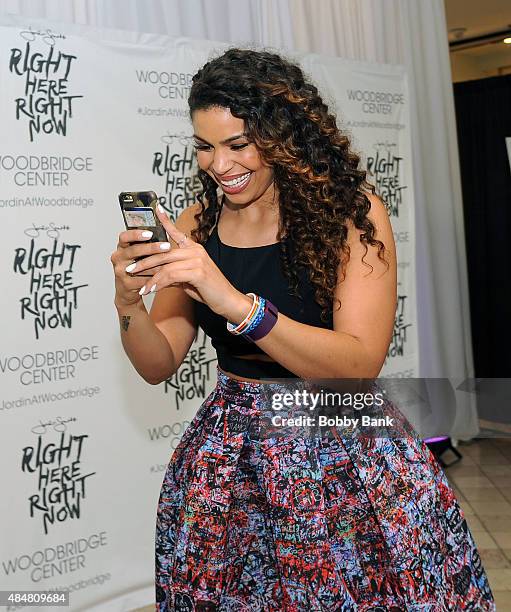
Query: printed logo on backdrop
400	338
46	104
55	460
193	379
376	102
175	165
173	87
42	171
48	264
386	168
49	366
57	560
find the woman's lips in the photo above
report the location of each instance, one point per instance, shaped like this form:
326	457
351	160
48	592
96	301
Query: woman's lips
239	186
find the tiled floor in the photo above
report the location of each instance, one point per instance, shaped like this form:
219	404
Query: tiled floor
482	483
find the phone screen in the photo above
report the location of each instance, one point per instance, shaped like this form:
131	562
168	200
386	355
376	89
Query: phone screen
139	216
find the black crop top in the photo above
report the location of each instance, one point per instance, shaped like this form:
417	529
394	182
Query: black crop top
255	269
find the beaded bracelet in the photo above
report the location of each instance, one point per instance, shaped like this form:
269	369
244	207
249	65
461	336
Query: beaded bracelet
259	321
268	321
257	317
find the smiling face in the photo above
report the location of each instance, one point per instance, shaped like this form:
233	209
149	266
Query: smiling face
226	154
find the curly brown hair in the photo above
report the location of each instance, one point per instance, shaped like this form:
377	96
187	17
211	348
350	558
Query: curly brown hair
319	182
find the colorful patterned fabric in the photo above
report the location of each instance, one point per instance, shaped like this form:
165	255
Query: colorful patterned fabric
249	523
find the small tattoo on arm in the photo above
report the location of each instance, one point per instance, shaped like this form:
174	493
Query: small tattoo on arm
125	322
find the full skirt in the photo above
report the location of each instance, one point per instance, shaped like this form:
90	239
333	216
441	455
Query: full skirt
249	523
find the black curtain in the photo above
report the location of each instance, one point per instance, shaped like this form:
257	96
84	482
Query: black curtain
483	113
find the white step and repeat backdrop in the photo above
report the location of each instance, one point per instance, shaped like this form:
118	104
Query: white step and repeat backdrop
85	114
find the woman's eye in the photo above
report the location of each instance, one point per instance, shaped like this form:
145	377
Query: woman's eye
234	147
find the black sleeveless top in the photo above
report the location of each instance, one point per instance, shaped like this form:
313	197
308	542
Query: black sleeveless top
255	269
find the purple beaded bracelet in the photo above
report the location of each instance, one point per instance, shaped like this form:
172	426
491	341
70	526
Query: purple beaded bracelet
268	321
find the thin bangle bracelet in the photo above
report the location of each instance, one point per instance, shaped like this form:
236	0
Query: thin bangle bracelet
257	316
238	329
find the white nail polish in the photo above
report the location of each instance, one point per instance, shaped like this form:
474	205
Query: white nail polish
152	289
165	246
131	267
142	291
147	234
160	208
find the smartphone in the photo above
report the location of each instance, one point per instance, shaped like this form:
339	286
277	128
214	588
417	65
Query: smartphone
139	212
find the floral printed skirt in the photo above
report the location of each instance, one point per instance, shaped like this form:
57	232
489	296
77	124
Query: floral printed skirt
249	522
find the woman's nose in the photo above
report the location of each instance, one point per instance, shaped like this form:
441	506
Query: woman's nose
221	163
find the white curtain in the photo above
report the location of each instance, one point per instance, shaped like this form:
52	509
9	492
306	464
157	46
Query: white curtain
409	32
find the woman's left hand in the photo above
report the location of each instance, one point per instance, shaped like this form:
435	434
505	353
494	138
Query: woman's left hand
190	266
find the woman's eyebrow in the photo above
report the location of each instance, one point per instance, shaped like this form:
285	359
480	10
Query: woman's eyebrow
227	140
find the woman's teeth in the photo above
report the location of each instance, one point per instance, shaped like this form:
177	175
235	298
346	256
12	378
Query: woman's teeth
237	181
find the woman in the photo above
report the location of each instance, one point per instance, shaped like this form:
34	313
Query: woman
286	226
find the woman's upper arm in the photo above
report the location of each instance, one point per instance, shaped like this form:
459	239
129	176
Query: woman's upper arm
369	297
172	309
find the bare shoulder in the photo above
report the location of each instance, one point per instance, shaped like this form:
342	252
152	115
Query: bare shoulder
379	217
377	214
378	208
364	256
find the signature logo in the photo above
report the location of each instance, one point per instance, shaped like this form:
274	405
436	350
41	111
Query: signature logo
59	424
47	36
182	138
52	230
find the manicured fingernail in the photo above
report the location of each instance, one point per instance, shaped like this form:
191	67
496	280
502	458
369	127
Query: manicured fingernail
142	291
147	234
131	267
165	246
152	288
160	208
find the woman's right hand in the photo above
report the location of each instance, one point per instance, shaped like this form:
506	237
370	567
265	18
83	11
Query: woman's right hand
127	286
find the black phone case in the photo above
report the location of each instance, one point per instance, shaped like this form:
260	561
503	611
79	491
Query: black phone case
145	199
